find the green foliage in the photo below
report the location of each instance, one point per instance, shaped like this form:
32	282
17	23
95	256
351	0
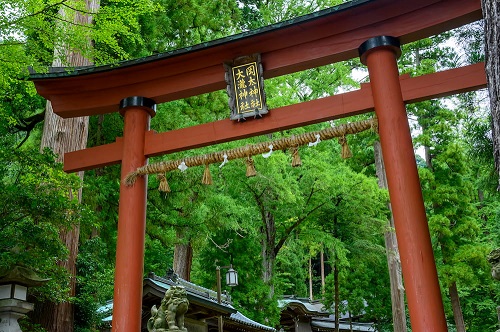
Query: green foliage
116	31
163	25
258	13
37	203
356	222
480	308
291	269
302	202
39	27
26	325
95	277
158	256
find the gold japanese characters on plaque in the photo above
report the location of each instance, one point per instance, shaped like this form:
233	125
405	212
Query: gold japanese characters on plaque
245	87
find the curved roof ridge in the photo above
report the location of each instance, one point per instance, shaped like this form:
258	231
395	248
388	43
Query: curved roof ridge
239	317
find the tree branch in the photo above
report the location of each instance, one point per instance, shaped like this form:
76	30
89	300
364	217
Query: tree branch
78	10
58	17
296	224
41	11
28	124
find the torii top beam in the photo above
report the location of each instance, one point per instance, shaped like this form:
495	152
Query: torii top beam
317	39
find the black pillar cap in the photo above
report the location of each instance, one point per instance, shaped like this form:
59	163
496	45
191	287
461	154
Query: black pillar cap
147	104
380	41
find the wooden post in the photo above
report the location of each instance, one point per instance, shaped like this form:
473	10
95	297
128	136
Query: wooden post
127	302
417	258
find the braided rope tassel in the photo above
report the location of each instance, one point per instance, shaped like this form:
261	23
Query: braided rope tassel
346	152
296	162
163	187
207	177
250	167
375	125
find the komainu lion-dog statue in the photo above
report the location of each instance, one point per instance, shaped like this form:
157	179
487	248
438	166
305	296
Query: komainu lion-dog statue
170	315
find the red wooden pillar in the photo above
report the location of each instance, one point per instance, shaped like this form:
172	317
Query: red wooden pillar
127	302
417	259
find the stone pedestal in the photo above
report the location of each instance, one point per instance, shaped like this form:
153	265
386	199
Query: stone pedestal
10	311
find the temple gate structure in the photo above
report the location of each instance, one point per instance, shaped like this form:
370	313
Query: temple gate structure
371	29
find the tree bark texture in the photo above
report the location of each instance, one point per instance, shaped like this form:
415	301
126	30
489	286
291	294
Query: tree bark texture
65	135
393	260
268	250
457	310
336	304
322	270
311	297
491	14
183	257
337	295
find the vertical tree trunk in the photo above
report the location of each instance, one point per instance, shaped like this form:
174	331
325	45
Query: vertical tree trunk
322	269
491	14
183	257
457	310
393	261
65	135
337	295
268	251
310	279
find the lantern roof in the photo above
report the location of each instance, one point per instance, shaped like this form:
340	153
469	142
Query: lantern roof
21	275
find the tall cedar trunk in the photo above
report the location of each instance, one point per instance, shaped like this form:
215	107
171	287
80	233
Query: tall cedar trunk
322	270
491	14
65	135
268	251
310	279
457	310
337	295
336	304
391	248
183	257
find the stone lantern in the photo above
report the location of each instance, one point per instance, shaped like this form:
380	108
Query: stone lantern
14	284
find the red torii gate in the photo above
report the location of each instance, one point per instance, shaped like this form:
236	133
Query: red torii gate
329	36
